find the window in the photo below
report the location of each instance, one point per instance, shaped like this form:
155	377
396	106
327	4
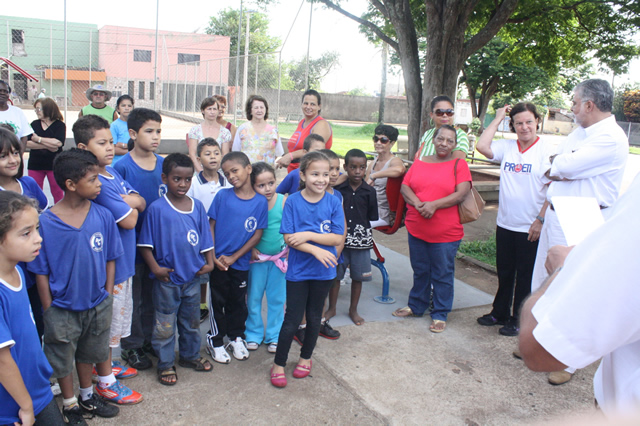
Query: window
141	55
17	36
141	90
17	43
131	89
152	90
184	58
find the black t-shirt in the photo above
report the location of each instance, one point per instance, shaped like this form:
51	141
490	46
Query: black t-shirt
42	159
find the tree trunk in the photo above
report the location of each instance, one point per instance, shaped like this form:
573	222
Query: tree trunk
383	84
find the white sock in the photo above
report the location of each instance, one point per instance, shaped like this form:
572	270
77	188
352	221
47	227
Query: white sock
301	326
106	381
69	403
85	393
323	320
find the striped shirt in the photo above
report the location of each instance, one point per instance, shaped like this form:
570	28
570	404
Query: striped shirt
427	148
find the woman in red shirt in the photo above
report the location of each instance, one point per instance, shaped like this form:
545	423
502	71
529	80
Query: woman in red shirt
433	224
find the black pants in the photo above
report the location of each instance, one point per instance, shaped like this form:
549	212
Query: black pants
228	307
302	295
515	258
143	315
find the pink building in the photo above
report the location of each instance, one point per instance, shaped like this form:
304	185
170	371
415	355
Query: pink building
189	67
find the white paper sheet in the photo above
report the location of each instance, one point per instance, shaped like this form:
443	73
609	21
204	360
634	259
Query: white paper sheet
578	216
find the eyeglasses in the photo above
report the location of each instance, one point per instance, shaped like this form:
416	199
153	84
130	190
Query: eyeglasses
448	112
39	109
383	139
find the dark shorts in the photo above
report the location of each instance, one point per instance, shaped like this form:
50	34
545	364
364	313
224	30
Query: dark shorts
359	263
81	336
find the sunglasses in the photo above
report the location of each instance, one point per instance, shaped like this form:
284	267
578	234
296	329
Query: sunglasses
383	139
448	112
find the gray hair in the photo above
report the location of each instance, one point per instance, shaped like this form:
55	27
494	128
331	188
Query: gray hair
597	91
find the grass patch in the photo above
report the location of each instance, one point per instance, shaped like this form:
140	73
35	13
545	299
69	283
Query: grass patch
634	150
484	251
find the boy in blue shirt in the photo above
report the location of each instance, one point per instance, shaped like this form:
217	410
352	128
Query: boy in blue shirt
291	181
237	217
142	168
360	208
93	134
204	188
75	273
176	243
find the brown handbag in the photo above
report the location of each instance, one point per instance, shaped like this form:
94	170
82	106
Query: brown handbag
472	205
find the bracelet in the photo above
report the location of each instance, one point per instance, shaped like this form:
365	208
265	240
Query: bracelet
540	218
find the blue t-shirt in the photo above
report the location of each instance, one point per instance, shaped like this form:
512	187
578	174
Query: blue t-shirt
177	238
18	332
324	217
338	195
236	222
75	259
29	188
113	187
290	183
120	134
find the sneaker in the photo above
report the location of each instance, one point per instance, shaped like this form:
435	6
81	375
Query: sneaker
136	358
204	314
511	328
122	372
272	348
219	354
328	332
252	346
299	336
97	406
489	320
55	388
73	416
119	394
239	349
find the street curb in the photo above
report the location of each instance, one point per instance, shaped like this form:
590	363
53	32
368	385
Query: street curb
476	262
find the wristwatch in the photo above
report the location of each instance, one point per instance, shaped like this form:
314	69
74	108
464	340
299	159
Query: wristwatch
541	219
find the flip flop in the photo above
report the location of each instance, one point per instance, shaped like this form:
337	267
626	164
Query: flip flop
437	326
404	313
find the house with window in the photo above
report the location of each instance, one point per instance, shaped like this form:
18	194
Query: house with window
188	67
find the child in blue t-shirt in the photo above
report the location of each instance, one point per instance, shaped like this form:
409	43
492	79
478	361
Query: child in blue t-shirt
291	182
268	266
92	133
119	129
11	179
142	168
25	395
313	225
237	217
176	243
75	274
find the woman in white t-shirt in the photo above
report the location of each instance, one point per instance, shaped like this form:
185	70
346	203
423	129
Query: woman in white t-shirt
521	209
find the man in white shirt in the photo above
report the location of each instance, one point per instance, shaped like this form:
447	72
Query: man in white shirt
588	309
589	163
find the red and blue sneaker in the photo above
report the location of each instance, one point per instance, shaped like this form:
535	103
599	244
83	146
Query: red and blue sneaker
119	394
122	372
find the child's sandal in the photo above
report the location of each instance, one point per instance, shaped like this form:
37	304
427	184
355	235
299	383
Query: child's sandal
200	364
163	375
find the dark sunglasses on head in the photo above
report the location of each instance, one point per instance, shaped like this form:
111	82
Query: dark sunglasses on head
382	139
448	112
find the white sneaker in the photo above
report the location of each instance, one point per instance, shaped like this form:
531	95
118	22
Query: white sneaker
272	348
219	354
55	388
239	349
252	346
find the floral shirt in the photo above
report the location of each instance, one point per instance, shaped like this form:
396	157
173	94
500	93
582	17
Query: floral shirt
223	137
258	147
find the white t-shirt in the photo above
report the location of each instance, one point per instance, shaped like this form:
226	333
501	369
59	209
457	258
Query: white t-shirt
523	185
204	190
590	311
593	161
16	119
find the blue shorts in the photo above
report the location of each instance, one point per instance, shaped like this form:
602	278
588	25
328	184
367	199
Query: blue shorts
359	263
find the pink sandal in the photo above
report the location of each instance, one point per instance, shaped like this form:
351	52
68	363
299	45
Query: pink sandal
302	371
278	380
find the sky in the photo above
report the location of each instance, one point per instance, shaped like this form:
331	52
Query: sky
360	61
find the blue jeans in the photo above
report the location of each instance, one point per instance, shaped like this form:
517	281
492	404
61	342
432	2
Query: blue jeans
433	265
265	277
176	305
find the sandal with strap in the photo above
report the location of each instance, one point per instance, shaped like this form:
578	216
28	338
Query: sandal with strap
302	371
437	326
200	364
164	374
278	380
404	313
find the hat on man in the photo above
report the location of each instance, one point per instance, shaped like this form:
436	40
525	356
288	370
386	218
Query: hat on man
98	88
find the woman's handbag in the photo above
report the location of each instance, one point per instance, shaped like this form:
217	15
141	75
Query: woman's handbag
472	205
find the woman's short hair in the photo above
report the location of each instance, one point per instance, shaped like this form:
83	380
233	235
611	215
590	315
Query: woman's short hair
207	102
440	98
446	127
49	109
522	107
249	104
